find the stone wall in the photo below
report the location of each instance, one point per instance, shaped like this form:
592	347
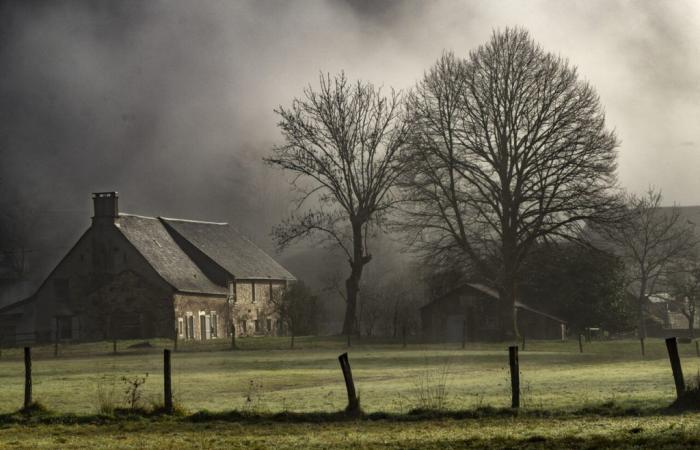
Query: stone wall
97	261
189	310
128	307
253	314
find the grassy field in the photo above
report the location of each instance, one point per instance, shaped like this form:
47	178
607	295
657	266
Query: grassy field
265	377
272	378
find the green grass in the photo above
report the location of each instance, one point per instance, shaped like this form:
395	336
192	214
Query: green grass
607	396
555	376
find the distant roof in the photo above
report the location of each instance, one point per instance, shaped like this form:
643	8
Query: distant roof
229	249
152	240
490	292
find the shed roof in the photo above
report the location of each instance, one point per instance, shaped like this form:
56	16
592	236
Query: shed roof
492	293
223	244
152	240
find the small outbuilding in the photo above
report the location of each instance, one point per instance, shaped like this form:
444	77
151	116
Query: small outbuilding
474	312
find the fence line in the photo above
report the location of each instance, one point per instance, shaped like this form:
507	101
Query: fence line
353	406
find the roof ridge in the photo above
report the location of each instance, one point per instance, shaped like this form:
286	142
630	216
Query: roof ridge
192	221
121	214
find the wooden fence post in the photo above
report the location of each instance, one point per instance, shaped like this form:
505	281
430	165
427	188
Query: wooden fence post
464	333
175	340
514	375
353	402
114	346
672	347
403	335
523	337
27	377
55	344
641	342
580	343
233	336
167	383
349	340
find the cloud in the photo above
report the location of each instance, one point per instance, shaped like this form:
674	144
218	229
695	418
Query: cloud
171	102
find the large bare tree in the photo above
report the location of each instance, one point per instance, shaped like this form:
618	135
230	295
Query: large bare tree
683	281
341	143
650	240
508	147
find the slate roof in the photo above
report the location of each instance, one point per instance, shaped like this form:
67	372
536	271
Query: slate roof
223	244
152	240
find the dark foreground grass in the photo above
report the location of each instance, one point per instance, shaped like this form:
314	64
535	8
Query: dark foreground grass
488	431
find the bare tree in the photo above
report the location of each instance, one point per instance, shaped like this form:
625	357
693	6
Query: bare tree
371	305
341	144
297	309
18	222
649	240
683	280
389	302
508	148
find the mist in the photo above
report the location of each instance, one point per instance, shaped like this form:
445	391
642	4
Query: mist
171	103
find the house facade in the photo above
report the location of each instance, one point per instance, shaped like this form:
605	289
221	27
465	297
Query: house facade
132	276
473	312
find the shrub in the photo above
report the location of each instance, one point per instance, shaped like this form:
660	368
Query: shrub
107	394
431	389
34	408
690	400
133	392
253	397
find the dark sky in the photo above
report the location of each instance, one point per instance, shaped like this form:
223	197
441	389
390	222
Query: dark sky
171	102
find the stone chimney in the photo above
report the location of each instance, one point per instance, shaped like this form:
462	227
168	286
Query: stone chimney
106	206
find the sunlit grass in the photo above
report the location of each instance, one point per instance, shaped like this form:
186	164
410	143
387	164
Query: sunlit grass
555	376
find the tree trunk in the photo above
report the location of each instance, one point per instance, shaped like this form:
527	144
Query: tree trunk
691	323
508	298
352	284
640	300
509	318
352	288
507	292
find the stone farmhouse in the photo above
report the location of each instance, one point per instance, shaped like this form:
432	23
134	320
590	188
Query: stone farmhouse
131	276
473	312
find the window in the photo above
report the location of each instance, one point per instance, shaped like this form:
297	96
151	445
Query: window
269	324
189	329
252	285
180	326
214	325
257	326
204	326
61	288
